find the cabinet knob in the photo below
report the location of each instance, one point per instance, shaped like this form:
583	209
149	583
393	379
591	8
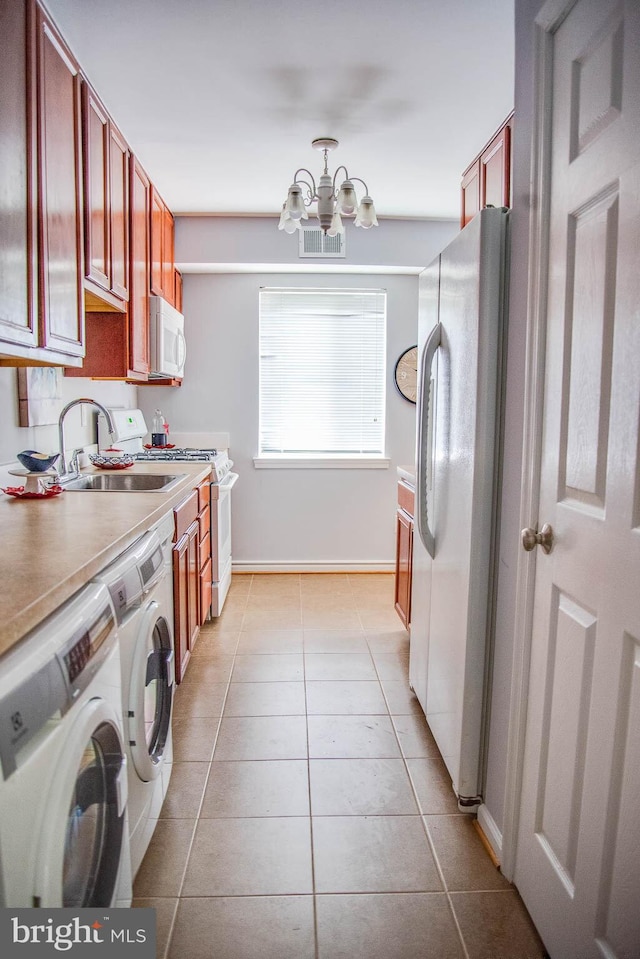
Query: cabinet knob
532	538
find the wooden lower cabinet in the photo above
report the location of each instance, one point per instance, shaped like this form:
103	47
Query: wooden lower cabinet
192	572
186	581
404	552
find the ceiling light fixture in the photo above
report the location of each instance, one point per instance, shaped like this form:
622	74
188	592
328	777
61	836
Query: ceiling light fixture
332	204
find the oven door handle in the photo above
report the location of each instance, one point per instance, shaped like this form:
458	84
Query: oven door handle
230	481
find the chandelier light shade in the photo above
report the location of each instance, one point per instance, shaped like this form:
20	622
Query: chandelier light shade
333	201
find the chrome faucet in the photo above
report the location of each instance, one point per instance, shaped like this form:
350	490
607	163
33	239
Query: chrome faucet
74	462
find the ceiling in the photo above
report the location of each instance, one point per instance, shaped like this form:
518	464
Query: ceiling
220	99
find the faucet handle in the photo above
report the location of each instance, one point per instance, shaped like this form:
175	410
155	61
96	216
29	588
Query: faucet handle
74	464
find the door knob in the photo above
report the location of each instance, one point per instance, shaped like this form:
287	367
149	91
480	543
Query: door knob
532	538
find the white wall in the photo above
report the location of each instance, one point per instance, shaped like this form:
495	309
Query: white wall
44	439
286	516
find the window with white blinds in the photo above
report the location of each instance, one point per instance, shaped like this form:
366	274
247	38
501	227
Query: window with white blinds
322	373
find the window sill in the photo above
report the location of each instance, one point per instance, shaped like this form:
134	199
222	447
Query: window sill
321	462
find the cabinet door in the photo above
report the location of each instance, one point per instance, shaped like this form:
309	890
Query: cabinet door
59	206
168	267
95	155
18	316
139	280
181	606
157	239
177	291
495	170
470	193
404	564
193	536
119	212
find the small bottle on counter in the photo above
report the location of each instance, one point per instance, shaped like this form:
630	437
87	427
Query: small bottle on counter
158	430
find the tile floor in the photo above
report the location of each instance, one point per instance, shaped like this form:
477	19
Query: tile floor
309	814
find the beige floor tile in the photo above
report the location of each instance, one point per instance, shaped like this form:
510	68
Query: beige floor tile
250	857
268	668
165	912
216	642
270	641
272	618
184	794
360	787
352	737
265	699
255	789
330	619
416	739
496	924
272	581
401	698
208	670
388	641
199	700
432	784
378	618
334	602
338	666
394	666
194	739
261	737
280	603
325	582
404	926
463	859
345	698
372	854
335	641
160	874
264	927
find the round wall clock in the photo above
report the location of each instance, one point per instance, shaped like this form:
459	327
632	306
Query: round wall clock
406	374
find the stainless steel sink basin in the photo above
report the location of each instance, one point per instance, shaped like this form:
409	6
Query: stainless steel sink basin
125	482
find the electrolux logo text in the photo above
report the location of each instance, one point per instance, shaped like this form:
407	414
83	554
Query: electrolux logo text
121	933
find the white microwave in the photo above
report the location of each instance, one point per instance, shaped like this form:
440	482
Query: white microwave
168	345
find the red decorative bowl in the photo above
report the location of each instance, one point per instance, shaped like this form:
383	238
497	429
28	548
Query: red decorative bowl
20	493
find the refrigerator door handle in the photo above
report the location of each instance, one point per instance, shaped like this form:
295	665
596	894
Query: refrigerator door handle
424	431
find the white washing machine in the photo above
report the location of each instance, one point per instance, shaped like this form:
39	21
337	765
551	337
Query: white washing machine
63	791
140	582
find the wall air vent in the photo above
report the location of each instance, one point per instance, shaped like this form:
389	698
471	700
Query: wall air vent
313	242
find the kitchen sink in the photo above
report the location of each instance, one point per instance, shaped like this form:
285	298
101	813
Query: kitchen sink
125	483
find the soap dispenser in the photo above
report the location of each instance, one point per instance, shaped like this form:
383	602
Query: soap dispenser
158	430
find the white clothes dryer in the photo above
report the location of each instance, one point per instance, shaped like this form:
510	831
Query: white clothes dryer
63	791
141	587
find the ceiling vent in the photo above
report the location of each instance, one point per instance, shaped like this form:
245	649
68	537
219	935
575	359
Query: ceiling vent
313	242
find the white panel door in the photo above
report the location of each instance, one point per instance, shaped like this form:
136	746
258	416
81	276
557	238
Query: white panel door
578	853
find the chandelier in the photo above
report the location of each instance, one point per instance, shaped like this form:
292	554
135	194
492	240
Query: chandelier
333	203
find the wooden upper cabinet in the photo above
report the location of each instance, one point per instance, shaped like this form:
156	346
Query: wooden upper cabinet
59	193
177	297
106	207
140	271
470	193
162	252
18	226
487	181
95	142
119	156
495	170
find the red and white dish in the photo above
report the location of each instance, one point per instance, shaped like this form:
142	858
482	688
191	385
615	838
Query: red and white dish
112	465
167	446
20	493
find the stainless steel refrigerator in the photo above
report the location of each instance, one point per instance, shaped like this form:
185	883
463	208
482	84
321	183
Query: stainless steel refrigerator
461	347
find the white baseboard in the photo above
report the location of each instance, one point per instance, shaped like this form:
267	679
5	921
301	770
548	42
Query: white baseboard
246	566
491	831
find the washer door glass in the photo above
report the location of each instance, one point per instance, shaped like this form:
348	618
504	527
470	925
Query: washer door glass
158	690
94	834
